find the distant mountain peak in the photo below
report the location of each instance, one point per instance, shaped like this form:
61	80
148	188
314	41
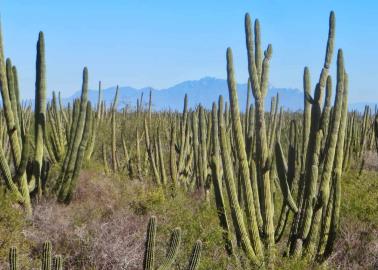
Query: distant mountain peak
204	91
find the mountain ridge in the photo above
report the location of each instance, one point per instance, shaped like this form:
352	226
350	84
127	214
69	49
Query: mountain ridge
204	91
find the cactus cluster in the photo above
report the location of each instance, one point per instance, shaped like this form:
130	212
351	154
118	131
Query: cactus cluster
173	248
61	135
56	263
311	170
47	262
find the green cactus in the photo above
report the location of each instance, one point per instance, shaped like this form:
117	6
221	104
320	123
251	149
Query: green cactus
95	126
13	263
40	111
236	212
195	256
217	183
259	89
23	193
173	155
81	152
151	154
57	263
46	256
77	130
13	96
174	245
242	157
114	144
149	254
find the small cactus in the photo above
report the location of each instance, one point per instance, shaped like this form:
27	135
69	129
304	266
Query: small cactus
13	264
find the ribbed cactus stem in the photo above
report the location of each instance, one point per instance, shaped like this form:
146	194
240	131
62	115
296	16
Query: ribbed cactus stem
57	263
242	157
14	140
259	90
81	152
324	188
40	111
195	257
149	252
13	96
46	256
71	156
13	262
114	144
336	177
236	211
150	153
217	182
174	245
95	126
161	160
173	155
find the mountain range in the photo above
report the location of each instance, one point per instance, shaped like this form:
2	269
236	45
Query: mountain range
204	91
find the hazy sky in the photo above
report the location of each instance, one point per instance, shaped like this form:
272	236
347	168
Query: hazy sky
159	43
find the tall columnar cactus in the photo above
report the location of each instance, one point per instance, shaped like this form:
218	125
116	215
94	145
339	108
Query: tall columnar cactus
21	189
95	126
77	130
173	155
217	183
150	153
40	111
202	147
324	188
242	157
302	220
81	152
259	73
114	143
236	210
258	157
13	95
161	160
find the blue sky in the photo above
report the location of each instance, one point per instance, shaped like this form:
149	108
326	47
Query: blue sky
160	43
